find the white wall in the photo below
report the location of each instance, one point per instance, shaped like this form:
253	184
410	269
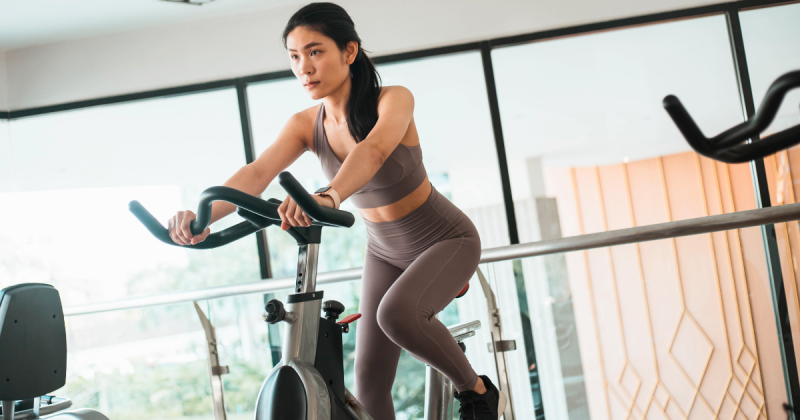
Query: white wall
250	43
3	83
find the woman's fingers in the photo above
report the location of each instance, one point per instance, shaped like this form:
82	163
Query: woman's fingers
174	229
180	230
186	225
292	215
306	219
201	237
171	229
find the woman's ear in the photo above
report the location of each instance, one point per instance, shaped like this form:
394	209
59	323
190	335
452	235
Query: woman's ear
351	52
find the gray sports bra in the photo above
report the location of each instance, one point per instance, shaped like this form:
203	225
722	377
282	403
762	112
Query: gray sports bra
399	176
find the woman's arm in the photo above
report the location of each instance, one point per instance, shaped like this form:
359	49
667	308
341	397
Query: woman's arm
395	111
255	177
252	178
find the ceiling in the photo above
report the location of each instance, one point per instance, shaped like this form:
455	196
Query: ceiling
31	22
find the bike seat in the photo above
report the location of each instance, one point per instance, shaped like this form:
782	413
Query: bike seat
463	291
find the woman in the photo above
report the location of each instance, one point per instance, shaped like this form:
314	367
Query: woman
421	249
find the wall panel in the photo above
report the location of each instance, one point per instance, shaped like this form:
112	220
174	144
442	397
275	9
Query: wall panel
684	327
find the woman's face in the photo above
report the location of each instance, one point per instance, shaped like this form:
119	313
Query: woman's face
318	63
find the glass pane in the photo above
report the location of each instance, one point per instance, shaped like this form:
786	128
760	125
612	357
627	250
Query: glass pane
271	106
6	171
595	100
679	279
583	125
455	130
139	364
772	44
75	173
678	327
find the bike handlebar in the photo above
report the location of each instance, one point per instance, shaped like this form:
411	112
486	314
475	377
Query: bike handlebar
258	214
729	145
325	215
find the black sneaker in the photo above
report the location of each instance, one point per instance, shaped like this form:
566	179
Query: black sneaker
487	406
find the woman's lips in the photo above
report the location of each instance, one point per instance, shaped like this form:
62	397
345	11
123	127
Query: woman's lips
312	85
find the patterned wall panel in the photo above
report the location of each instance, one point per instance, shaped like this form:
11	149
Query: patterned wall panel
678	328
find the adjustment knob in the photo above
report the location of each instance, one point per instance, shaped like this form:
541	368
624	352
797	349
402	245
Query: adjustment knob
332	310
274	312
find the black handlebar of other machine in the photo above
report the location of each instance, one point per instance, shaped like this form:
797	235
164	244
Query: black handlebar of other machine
730	146
258	214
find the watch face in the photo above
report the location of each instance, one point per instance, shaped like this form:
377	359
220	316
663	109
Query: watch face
322	190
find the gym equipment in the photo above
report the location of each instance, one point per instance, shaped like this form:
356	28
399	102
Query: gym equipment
733	145
33	351
308	382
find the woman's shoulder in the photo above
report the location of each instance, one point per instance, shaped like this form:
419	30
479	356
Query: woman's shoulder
304	120
394	92
394	97
302	124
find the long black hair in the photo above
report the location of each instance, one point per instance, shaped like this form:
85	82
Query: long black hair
333	21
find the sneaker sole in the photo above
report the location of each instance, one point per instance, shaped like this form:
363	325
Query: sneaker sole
501	406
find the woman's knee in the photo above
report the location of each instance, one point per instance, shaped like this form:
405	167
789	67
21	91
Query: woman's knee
396	317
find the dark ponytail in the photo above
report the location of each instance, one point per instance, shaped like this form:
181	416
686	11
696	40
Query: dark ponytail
333	21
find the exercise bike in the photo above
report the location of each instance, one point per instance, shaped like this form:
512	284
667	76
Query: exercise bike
308	382
33	355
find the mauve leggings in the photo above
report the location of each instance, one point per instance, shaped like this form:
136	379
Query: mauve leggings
415	266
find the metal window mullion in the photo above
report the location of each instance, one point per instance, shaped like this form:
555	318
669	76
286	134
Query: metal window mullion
497	127
761	187
508	199
250	156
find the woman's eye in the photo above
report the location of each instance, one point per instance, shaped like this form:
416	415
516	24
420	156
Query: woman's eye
314	52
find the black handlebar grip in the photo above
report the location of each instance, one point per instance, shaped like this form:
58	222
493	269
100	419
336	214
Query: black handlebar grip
150	222
310	206
214	240
267	209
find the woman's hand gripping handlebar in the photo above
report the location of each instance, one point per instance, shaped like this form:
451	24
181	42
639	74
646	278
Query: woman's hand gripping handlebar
258	214
320	215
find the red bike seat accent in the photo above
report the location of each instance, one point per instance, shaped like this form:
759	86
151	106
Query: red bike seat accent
349	318
463	291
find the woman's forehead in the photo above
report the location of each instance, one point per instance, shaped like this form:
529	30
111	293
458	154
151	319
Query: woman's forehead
302	37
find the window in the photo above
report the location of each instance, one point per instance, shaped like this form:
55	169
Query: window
75	172
591	149
142	363
6	172
772	45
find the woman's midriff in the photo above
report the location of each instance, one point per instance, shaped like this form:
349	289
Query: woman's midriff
400	208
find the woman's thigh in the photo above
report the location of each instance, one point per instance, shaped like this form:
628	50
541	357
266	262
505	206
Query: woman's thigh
376	355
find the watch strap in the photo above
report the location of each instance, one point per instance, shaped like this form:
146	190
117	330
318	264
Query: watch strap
330	192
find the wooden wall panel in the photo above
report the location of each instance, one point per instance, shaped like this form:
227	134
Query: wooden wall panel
661	282
561	183
670	329
639	378
604	296
705	362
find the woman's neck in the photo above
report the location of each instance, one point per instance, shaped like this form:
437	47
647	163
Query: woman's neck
336	104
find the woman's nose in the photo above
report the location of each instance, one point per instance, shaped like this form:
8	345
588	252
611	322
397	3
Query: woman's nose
305	67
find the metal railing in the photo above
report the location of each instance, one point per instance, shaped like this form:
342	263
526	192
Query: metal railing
707	224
